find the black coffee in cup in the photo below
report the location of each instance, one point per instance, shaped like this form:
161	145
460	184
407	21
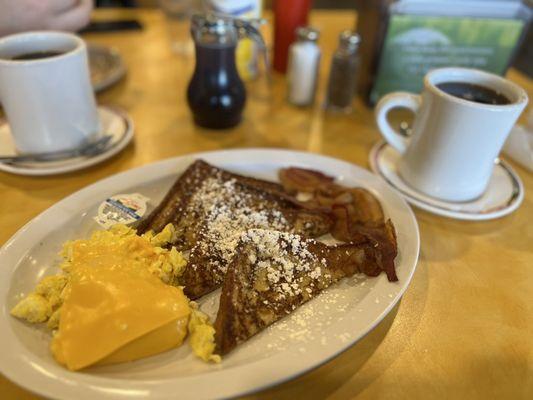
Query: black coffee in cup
37	55
474	93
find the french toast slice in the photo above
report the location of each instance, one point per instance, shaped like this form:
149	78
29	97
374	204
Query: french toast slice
218	239
188	183
272	273
210	209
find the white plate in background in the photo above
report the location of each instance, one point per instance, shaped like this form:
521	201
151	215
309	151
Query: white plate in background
113	121
105	65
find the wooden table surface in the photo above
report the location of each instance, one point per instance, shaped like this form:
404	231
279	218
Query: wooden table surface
464	328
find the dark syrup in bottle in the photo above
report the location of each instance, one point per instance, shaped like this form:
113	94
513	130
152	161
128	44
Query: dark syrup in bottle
216	93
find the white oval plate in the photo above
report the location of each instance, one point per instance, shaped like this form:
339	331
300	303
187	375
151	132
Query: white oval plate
113	121
312	335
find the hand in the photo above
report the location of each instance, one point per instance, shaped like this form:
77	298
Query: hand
26	15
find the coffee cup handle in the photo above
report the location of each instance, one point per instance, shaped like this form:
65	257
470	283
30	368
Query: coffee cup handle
387	103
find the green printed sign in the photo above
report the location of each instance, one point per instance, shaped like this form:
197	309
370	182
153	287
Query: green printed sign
415	44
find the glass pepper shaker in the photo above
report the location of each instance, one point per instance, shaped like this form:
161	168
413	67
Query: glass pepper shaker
343	73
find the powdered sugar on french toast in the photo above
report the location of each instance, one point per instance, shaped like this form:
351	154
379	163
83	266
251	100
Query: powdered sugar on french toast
229	212
284	258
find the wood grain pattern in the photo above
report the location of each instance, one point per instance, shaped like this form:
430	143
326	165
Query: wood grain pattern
464	327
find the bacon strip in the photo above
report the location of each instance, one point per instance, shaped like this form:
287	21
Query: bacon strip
357	213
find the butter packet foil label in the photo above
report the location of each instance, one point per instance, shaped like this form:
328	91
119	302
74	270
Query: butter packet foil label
121	209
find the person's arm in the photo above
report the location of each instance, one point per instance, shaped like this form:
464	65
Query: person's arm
26	15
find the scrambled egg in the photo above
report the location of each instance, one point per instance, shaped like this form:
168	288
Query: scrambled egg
94	265
202	335
43	304
120	244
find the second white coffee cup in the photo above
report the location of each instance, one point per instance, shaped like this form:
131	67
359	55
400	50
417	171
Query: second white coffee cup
455	141
49	101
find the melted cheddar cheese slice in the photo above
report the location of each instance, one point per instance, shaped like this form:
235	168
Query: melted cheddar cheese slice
157	341
116	312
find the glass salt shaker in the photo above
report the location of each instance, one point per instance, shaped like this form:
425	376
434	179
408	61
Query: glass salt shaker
304	59
343	73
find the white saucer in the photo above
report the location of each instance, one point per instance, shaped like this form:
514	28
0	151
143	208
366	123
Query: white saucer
113	121
503	195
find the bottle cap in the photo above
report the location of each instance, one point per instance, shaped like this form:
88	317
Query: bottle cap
349	39
307	33
212	28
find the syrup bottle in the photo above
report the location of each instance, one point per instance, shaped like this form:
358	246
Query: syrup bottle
216	94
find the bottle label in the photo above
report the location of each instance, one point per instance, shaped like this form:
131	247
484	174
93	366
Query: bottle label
247	52
237	8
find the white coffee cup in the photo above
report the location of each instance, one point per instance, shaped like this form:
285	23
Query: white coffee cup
451	152
49	102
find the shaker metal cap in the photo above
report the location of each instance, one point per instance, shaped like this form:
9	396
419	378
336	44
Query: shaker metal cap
349	38
307	33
